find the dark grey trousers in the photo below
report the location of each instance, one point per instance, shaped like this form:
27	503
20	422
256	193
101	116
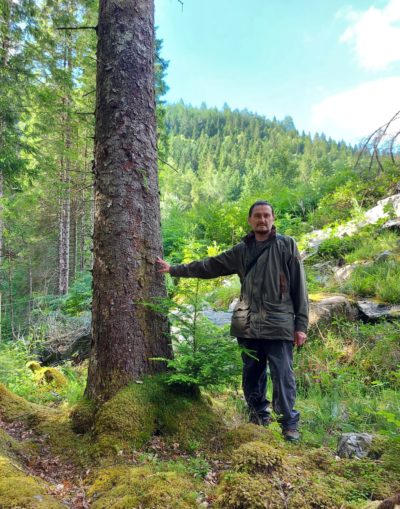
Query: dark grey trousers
278	355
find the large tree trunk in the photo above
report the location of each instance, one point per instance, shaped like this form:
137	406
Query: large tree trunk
126	333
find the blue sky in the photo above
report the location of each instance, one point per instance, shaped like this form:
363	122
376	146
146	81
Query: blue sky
333	66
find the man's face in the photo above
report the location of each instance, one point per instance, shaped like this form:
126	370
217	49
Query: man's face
261	219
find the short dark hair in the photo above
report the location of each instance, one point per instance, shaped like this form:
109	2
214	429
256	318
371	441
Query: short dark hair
261	202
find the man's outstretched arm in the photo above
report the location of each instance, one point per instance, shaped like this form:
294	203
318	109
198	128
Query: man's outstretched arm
223	264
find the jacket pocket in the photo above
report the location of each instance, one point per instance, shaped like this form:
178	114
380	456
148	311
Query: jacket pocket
277	326
240	319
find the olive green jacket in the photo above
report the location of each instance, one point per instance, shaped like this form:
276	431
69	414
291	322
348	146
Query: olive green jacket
273	301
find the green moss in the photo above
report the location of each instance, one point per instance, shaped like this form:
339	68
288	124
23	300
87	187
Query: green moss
245	433
125	421
139	411
125	487
391	454
257	457
12	448
14	408
370	479
240	490
316	496
47	375
83	416
321	458
54	377
19	490
78	449
34	366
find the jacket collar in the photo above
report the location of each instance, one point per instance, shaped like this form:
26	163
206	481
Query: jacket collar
250	237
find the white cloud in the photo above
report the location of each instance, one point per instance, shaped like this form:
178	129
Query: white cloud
354	114
374	34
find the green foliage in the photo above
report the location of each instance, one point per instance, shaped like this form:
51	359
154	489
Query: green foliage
348	380
209	359
204	354
371	243
381	280
336	247
79	297
36	386
223	295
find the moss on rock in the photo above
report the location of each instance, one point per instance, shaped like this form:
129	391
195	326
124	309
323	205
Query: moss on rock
240	490
18	490
13	407
321	458
53	376
126	487
245	433
257	457
33	366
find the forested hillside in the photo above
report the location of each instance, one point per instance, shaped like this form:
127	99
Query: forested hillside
222	161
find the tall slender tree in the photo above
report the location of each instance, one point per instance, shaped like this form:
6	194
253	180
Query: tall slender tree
126	332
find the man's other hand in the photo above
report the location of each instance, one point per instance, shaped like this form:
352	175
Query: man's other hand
163	265
300	338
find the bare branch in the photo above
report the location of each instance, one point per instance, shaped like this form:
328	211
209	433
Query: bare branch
79	28
377	139
170	165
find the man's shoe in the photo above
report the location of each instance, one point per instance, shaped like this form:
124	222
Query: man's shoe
261	421
291	435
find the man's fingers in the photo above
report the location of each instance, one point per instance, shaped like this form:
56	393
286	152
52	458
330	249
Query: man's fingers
163	265
299	338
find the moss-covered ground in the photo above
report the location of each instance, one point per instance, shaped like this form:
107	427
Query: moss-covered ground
152	447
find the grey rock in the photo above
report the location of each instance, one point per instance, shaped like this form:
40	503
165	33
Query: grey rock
384	255
354	445
337	305
392	224
371	310
371	216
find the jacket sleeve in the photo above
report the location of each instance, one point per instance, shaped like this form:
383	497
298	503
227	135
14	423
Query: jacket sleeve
223	264
298	288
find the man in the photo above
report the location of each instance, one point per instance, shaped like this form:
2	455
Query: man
271	315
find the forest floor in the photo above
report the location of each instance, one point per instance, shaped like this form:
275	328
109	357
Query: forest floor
64	479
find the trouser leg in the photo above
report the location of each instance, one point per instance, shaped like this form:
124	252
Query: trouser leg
254	379
280	358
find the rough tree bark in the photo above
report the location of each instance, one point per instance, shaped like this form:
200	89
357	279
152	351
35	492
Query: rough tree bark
125	332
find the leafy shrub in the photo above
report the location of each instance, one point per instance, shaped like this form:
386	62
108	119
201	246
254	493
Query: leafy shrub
336	247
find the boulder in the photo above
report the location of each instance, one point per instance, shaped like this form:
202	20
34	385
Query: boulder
343	273
324	310
392	224
371	216
372	311
354	445
384	255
